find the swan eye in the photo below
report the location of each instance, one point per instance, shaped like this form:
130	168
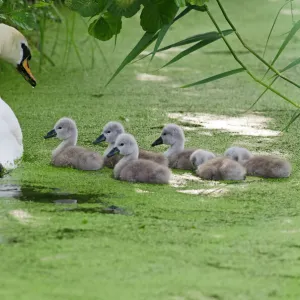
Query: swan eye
107	131
164	133
59	127
122	144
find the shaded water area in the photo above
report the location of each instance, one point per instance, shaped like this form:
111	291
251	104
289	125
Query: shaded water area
62	199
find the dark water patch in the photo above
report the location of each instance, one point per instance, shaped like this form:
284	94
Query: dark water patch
112	209
97	95
69	233
52	195
10	240
187	124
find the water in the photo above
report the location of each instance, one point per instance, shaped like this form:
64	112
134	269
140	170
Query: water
63	200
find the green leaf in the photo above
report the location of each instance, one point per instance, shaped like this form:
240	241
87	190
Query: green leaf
1	2
24	20
157	13
180	3
147	39
39	4
275	77
86	8
106	27
273	25
143	43
291	65
160	37
192	39
291	34
215	77
197	2
193	48
126	8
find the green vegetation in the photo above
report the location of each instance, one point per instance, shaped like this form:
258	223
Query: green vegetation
169	245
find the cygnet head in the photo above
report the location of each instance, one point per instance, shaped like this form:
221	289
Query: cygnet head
199	157
15	50
125	145
238	154
64	129
171	134
110	133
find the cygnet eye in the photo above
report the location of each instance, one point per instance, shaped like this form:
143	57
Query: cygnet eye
122	144
164	133
108	131
59	127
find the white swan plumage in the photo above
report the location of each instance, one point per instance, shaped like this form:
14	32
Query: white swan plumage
13	49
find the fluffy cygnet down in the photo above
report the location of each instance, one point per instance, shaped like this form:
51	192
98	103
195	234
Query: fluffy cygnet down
199	157
238	154
179	158
133	169
221	168
110	133
67	154
267	166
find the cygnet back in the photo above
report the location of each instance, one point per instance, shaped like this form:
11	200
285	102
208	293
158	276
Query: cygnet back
268	166
133	169
221	168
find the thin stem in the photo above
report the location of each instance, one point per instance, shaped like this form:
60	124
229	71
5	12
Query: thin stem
261	95
273	25
252	51
244	66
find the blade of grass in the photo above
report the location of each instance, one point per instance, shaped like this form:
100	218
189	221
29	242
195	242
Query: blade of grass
215	77
146	40
292	120
273	25
143	43
192	49
291	65
190	40
160	38
270	66
240	62
286	41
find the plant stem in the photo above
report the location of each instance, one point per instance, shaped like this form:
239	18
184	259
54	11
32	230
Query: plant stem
243	65
252	51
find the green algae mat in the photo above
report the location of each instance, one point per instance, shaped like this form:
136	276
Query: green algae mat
189	240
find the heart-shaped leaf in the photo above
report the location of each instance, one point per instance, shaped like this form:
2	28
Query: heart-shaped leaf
86	8
106	27
157	13
126	8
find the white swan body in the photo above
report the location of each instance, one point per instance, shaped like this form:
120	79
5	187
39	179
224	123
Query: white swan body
13	49
11	146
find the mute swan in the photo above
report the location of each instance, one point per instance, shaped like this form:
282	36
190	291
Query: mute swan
221	168
179	158
67	154
13	49
131	168
267	166
110	133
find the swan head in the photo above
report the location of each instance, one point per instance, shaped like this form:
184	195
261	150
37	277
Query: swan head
110	133
64	129
171	134
15	50
125	145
